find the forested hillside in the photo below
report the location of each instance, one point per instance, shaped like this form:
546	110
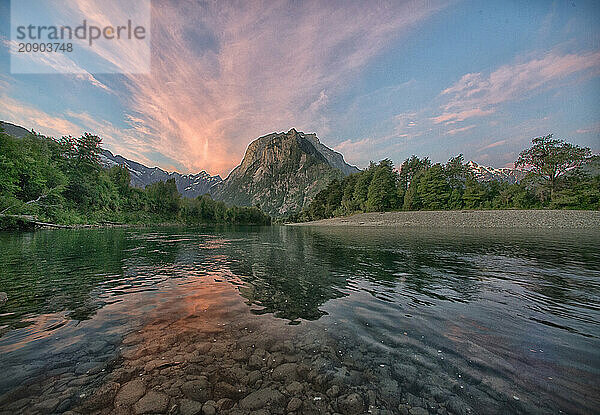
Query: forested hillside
559	176
62	181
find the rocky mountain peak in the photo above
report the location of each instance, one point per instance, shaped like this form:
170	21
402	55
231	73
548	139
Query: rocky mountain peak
281	172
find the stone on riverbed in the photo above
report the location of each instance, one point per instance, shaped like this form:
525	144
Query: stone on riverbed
295	388
189	407
261	398
294	404
226	390
208	409
130	393
285	371
196	390
3	298
350	404
103	397
418	411
152	403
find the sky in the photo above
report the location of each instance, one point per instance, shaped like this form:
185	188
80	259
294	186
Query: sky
373	80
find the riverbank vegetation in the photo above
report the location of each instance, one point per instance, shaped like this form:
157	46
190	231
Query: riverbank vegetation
62	182
558	175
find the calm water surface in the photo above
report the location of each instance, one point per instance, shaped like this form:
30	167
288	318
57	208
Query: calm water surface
446	321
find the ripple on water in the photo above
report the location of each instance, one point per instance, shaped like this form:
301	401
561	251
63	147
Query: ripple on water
481	322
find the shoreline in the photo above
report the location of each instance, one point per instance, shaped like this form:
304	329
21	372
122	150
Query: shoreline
468	219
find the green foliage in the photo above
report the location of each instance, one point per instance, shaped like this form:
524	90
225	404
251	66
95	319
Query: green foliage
382	194
561	177
433	188
62	181
549	158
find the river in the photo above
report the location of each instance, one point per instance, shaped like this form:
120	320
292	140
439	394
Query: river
306	320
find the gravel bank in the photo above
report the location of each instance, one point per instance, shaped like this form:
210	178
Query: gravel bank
471	219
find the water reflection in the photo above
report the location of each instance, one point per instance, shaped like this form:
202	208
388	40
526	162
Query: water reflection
513	313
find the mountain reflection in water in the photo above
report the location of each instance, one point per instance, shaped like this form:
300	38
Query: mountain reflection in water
491	321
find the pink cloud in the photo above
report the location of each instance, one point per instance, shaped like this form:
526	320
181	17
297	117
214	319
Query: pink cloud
476	91
453	117
31	117
263	68
459	130
492	145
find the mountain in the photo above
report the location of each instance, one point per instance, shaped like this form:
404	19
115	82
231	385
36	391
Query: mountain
14	130
485	174
282	172
189	185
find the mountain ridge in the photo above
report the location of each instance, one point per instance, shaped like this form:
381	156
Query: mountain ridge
189	185
282	172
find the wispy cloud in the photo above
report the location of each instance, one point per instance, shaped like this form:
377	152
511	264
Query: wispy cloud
478	92
460	129
454	117
58	62
32	117
224	74
592	129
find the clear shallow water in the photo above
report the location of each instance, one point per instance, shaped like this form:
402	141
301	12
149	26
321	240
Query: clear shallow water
464	322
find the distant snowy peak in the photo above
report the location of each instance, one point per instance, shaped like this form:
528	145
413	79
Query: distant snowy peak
485	173
189	185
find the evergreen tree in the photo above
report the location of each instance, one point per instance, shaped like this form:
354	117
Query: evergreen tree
382	193
433	189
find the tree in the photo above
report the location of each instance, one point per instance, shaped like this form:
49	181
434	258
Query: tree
409	169
361	187
549	158
164	197
382	195
433	189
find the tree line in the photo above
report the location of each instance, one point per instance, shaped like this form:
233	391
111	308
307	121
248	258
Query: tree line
558	177
62	181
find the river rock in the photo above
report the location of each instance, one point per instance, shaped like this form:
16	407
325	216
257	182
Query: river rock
418	411
350	404
256	362
48	405
334	391
226	390
225	404
196	390
294	404
285	371
253	377
189	407
295	388
130	393
103	397
153	402
3	298
261	398
208	409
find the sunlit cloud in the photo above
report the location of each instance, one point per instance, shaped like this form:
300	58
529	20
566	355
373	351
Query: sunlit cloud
478	92
224	74
453	117
592	129
492	145
460	129
34	118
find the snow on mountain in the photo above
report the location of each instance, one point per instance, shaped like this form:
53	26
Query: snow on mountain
189	185
486	173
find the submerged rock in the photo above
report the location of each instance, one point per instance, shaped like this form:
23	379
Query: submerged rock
261	398
189	407
351	404
153	402
3	298
294	404
130	393
196	390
